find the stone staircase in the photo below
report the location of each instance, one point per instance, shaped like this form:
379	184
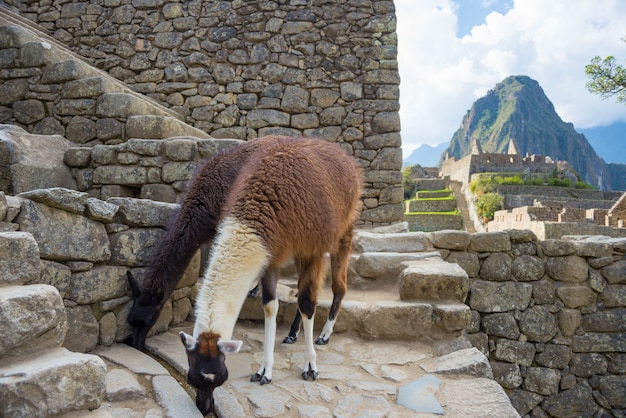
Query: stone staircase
399	288
430	210
39	377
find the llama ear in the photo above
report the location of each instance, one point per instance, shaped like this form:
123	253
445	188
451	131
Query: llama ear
188	341
134	286
229	346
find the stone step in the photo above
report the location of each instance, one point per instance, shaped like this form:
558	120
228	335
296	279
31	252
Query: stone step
32	319
433	280
373	313
20	257
433	222
430	205
426	194
404	242
431	184
50	383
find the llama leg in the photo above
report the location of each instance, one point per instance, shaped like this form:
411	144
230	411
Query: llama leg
339	270
297	320
270	309
308	286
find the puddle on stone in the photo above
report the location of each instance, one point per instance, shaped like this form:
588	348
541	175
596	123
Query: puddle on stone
419	395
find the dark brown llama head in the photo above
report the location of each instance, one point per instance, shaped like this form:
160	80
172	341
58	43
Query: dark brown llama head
207	366
143	314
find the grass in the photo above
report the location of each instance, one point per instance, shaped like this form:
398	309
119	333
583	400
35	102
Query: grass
452	212
429	198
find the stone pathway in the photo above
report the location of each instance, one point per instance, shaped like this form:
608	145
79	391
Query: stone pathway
358	378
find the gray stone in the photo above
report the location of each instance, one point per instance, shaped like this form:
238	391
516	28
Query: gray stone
386	265
538	324
527	268
372	406
99	283
120	175
33	161
507	375
490	242
20	262
55	274
571	268
588	364
499	297
108	328
80	130
558	248
391	242
82	329
544	291
599	343
614	390
469	362
132	359
524	401
100	211
496	267
58	197
615	273
433	280
467	261
617	363
593	249
122	385
576	296
542	380
575	402
141	212
135	247
450	239
380	321
554	356
82	388
501	325
607	321
613	296
28	111
515	352
62	235
32	319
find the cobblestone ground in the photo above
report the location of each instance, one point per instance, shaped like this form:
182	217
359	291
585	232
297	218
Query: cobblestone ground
358	378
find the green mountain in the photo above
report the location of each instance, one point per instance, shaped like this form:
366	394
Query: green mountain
518	109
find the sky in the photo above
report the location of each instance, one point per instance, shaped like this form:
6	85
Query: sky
451	52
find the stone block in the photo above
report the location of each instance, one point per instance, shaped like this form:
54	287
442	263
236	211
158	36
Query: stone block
83	330
451	239
142	212
542	380
501	325
32	162
98	283
588	364
554	356
397	320
614	390
20	258
613	320
558	248
538	324
452	317
515	352
391	242
467	261
599	343
490	242
433	280
469	361
120	175
55	274
615	273
506	374
386	265
62	235
527	268
135	247
575	402
32	319
576	296
499	297
614	296
65	382
496	267
572	269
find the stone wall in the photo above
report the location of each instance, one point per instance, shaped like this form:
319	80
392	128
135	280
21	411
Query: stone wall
550	317
233	69
84	246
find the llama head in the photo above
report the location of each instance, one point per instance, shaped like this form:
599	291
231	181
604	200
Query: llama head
207	368
143	314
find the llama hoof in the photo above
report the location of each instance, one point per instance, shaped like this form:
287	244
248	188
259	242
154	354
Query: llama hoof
311	373
322	341
265	380
289	339
256	377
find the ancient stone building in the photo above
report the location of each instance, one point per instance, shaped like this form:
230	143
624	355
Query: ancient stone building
233	69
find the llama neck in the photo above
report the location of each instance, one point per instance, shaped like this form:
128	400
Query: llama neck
237	259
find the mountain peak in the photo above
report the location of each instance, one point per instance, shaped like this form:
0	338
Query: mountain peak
518	112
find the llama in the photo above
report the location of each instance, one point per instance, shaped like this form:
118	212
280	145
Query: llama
194	224
296	198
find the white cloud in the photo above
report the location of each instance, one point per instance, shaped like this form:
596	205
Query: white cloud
551	42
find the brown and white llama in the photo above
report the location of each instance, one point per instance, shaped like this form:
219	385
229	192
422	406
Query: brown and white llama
297	198
194	224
